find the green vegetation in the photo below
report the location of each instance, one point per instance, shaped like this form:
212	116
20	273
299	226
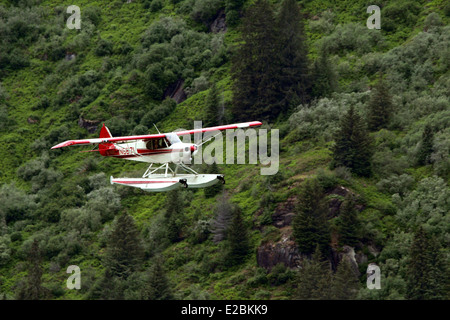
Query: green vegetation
313	71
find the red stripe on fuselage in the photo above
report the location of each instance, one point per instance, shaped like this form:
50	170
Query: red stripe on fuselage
144	182
146	152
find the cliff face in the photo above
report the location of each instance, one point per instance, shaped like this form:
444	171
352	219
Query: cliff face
285	251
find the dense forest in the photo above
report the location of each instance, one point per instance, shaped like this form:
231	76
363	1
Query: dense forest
364	126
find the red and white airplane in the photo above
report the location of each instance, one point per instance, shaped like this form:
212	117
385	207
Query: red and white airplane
161	148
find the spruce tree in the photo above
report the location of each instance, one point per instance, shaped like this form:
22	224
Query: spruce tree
426	146
427	278
314	279
158	286
232	11
324	75
310	225
222	218
124	252
294	65
380	106
212	107
255	70
237	239
353	147
32	289
174	215
348	223
345	283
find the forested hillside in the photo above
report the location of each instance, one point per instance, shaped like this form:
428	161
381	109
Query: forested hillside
364	125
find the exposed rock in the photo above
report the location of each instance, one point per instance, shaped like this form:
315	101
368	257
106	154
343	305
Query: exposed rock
340	190
335	203
70	56
219	23
31	120
176	92
349	254
373	250
284	213
89	125
361	258
285	251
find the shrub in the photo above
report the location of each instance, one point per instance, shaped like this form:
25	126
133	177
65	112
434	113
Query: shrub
104	48
162	30
156	5
400	184
104	201
92	14
441	154
351	37
428	206
205	10
5	251
16	204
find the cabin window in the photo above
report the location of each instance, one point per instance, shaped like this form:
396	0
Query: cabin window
157	144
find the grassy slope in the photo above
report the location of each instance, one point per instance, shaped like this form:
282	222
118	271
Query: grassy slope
121	20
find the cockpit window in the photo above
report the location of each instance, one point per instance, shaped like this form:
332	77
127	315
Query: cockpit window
173	138
158	143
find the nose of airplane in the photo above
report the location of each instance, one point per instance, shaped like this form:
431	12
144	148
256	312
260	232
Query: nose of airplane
194	149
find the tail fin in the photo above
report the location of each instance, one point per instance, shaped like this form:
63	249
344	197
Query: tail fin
104	132
105	148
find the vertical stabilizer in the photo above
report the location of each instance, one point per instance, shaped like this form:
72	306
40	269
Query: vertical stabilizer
104	132
104	147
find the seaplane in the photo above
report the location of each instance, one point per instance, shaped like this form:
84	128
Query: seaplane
159	149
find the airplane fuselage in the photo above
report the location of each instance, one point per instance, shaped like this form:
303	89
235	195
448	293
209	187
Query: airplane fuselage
146	152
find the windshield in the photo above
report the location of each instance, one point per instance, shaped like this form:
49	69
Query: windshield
173	138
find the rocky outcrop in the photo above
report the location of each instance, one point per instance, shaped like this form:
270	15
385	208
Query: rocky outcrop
176	91
219	23
90	125
335	203
284	213
284	251
347	253
70	56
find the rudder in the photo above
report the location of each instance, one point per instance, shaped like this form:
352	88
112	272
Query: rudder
105	148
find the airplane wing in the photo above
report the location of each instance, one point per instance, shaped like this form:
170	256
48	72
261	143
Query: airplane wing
153	136
224	127
107	140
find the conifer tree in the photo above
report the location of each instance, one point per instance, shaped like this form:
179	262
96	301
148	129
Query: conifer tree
427	278
310	224
158	286
348	224
254	69
353	147
124	251
232	11
380	106
324	75
32	289
237	238
174	215
222	219
294	65
426	146
345	283
212	107
314	279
